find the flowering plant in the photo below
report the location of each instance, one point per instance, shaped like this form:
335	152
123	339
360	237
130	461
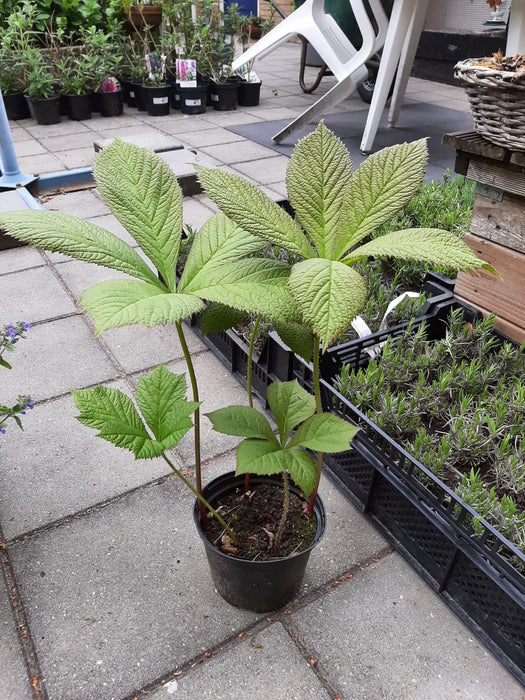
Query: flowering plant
110	84
9	335
156	67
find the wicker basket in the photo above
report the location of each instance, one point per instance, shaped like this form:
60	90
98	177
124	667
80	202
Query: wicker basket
497	101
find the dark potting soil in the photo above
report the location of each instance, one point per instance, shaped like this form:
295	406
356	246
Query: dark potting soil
254	516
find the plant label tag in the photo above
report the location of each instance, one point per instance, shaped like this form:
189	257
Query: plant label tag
131	93
193	103
215	98
160	100
186	70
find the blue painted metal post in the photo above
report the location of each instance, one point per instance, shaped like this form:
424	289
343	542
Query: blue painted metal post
11	176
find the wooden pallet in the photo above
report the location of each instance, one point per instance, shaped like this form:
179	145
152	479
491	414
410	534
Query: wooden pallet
497	230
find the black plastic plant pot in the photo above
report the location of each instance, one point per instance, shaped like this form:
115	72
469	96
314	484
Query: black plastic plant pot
79	107
110	103
131	100
193	99
249	94
175	96
137	94
124	86
157	100
16	106
47	111
224	96
260	586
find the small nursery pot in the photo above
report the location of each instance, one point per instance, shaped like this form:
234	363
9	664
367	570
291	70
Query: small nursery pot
137	97
78	107
193	99
249	94
16	106
157	100
260	586
110	103
47	111
224	95
175	96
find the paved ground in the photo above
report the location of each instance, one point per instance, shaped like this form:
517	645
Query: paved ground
106	593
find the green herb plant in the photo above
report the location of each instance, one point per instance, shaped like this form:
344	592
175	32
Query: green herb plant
336	208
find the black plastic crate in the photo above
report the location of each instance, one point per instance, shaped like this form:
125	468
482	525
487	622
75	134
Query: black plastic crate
431	527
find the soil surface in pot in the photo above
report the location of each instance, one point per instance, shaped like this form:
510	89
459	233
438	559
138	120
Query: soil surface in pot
254	516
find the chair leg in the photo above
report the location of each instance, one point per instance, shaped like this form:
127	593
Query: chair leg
333	97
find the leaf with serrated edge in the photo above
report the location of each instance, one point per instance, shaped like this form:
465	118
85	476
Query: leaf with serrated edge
259	457
424	245
113	414
324	433
218	317
146	198
382	185
290	405
161	399
255	285
243	421
327	296
218	242
251	209
61	233
126	302
302	469
298	338
316	179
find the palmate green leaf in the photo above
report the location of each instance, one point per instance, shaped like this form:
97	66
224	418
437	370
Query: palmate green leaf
251	209
113	414
145	196
327	296
254	285
425	245
316	179
324	432
126	302
290	405
218	242
383	184
260	457
243	421
62	233
161	399
218	317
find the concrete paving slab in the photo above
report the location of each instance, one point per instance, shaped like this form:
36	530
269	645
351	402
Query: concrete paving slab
71	466
68	142
29	147
183	123
77	158
32	295
40	164
209	137
155	141
238	152
83	204
265	171
66	126
262	666
22	258
11	200
181	162
137	348
386	634
228	118
14	681
122	597
56	357
79	275
110	223
197	210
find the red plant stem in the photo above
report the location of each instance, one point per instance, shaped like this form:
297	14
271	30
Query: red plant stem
318	409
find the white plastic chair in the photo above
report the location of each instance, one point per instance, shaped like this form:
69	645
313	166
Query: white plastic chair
321	30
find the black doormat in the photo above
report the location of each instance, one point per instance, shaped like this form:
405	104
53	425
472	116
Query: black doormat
418	120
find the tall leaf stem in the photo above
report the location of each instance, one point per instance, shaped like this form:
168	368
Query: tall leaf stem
202	501
249	380
286	508
318	409
196	421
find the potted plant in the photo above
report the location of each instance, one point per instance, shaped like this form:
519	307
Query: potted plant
76	80
42	87
11	84
321	292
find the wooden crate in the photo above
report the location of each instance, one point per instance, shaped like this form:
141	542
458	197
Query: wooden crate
497	230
